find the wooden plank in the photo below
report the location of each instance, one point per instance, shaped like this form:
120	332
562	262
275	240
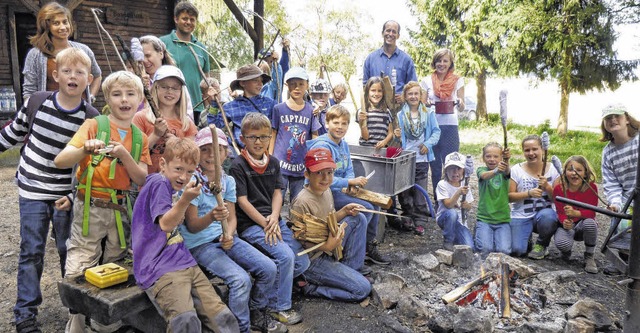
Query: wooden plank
15	63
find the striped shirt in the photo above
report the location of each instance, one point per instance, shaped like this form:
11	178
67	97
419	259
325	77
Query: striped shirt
38	178
378	126
619	164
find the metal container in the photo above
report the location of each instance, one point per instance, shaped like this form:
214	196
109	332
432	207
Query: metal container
393	175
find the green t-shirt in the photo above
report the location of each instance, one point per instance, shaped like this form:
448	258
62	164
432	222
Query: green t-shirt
493	204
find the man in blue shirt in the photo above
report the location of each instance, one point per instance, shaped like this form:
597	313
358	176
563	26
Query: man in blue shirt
390	57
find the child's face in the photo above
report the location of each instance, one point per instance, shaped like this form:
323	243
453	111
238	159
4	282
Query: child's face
615	123
454	174
337	127
152	58
177	171
73	79
123	101
319	181
339	94
60	27
573	171
169	91
207	162
252	87
492	157
320	98
253	142
532	150
297	88
412	96
375	93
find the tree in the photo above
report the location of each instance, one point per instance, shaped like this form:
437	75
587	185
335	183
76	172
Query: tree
464	26
567	40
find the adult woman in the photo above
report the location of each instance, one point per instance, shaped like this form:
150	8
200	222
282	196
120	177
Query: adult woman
52	36
444	86
155	54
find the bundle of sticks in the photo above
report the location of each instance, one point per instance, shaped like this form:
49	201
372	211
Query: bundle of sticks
309	228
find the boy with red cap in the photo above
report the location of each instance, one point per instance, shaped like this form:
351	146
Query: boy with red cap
326	276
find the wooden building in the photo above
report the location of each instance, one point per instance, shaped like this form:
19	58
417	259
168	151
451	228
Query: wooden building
127	18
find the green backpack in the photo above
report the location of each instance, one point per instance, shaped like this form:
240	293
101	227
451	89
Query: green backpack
104	134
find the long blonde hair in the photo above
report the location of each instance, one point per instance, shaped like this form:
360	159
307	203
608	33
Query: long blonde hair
42	39
181	105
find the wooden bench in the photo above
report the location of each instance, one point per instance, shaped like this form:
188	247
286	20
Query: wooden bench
126	302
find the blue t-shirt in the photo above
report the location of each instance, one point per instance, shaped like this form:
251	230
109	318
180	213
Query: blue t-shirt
294	129
205	202
156	252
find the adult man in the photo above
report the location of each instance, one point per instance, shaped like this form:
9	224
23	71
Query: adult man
390	57
179	42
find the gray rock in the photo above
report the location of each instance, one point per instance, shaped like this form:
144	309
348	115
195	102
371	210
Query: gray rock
462	256
441	320
556	277
444	256
409	307
593	311
472	320
579	325
540	327
388	291
394	325
494	260
426	261
559	286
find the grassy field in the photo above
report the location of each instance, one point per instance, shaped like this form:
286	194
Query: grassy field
474	135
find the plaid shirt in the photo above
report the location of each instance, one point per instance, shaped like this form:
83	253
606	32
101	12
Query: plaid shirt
238	108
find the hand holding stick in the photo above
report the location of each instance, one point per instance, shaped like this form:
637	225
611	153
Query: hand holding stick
468	170
217	187
503	117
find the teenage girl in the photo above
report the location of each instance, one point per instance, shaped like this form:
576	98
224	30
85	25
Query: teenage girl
577	183
168	91
376	128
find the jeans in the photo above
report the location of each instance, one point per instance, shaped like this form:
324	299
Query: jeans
341	199
448	143
34	227
453	231
288	263
414	204
232	266
544	223
293	184
493	237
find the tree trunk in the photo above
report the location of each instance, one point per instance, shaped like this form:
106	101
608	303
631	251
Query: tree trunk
481	105
564	108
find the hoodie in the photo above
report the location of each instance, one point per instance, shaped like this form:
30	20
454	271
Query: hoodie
341	155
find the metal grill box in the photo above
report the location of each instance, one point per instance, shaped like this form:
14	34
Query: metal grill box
393	175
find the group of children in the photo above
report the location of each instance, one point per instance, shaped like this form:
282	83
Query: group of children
175	225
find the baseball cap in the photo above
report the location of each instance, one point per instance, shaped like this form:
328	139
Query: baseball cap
204	137
318	159
248	72
613	109
168	71
456	159
296	73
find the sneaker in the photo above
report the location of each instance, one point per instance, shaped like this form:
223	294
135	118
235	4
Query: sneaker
289	317
590	264
419	230
374	256
395	223
263	322
407	224
611	270
538	252
365	270
29	325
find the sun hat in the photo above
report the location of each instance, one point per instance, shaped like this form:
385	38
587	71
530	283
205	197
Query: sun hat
296	73
246	73
318	159
265	53
320	86
456	159
204	137
613	109
169	71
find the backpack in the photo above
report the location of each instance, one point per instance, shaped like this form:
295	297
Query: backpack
104	134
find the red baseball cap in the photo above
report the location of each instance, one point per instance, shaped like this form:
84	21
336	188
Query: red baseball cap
318	159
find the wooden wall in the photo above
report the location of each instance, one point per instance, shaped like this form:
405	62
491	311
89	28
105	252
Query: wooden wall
127	18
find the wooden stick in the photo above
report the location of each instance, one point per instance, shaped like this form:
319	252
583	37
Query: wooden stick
377	199
505	293
455	294
364	210
217	177
228	127
315	247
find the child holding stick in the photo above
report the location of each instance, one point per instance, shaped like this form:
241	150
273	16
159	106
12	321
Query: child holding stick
375	120
577	183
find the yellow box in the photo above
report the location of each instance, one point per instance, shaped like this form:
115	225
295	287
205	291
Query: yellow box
106	275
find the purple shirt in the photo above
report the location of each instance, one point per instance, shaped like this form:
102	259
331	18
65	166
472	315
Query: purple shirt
294	129
156	252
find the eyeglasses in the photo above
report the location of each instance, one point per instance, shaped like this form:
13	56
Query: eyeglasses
170	88
263	138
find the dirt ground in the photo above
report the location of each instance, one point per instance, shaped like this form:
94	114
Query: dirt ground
319	315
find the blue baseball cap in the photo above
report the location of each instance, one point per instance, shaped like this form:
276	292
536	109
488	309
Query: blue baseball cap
296	73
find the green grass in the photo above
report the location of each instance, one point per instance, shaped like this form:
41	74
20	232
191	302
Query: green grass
474	135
